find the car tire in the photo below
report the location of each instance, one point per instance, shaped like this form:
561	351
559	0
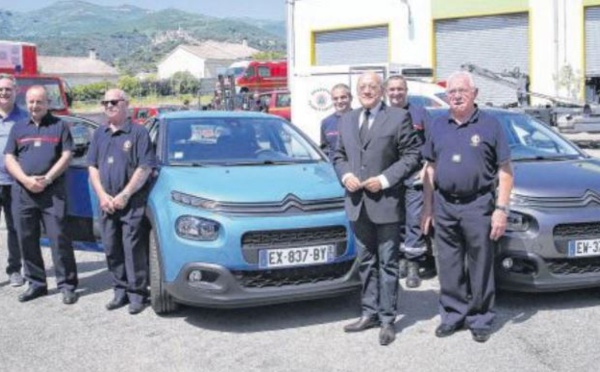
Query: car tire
161	301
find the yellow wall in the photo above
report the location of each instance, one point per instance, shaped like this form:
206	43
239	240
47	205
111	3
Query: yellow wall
442	9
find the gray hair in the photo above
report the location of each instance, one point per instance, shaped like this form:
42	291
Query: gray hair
462	74
394	78
9	77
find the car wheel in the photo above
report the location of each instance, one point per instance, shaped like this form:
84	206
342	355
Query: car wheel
161	301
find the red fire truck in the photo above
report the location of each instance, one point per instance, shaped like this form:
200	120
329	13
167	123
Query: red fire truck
20	60
262	76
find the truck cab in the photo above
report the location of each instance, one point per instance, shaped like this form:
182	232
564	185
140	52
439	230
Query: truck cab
262	76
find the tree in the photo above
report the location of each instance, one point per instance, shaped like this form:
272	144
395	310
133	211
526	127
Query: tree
269	55
130	85
183	82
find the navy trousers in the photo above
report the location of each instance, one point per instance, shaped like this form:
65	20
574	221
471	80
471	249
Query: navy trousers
466	261
49	208
125	240
414	245
14	251
378	267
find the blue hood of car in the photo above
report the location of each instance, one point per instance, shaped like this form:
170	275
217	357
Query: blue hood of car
261	183
556	178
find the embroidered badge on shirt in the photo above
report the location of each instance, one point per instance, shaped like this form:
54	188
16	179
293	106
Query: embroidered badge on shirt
475	140
456	158
37	143
127	145
110	160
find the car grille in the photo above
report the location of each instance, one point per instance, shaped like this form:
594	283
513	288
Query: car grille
589	198
565	232
293	276
290	205
574	266
254	241
577	230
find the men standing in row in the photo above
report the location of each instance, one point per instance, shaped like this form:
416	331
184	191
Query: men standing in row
120	159
377	150
10	114
37	153
414	245
466	152
342	99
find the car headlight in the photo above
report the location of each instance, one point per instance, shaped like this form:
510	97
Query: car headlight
197	228
517	222
193	201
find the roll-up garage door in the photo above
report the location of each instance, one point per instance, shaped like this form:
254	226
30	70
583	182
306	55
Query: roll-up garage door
592	42
353	46
496	43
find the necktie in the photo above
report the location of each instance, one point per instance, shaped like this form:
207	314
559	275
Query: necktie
364	127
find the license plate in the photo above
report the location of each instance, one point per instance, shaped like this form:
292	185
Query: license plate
301	256
584	248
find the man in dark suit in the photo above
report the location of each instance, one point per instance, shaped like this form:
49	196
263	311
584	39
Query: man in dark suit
377	150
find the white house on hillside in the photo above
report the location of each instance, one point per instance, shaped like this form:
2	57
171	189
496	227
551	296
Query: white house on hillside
202	60
78	70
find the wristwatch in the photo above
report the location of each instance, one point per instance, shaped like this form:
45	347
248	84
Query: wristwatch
125	196
47	180
503	208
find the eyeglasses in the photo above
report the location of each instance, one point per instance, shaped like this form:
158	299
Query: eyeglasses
112	102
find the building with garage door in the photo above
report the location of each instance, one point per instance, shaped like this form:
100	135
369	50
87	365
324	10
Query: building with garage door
551	47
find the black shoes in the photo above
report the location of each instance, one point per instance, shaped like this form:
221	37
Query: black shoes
481	335
32	293
363	323
403	268
445	330
136	308
387	334
413	280
69	297
117	302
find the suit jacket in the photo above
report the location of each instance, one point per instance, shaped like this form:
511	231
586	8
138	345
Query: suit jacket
392	148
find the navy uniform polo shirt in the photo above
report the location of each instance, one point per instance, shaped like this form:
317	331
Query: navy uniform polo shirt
330	133
466	156
118	154
38	148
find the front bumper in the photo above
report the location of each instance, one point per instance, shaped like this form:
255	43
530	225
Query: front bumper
224	288
551	275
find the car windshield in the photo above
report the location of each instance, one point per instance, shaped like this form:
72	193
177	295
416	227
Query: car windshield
235	141
529	139
52	87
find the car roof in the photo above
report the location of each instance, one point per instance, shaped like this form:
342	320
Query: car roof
190	114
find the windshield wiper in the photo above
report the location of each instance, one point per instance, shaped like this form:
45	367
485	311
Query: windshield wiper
547	158
187	164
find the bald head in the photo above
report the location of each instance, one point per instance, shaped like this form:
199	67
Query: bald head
369	89
115	106
37	102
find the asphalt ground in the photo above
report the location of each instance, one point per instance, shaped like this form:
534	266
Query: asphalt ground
532	332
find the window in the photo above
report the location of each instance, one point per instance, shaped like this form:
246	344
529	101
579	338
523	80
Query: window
283	100
264	71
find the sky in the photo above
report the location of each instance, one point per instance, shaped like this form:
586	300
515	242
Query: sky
259	9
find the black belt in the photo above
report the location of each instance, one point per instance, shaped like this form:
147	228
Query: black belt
464	199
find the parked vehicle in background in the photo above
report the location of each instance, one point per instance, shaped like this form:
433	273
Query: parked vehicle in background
231	224
278	103
237	69
20	60
262	76
139	114
552	241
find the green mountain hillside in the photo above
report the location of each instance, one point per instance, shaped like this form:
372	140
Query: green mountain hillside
129	37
